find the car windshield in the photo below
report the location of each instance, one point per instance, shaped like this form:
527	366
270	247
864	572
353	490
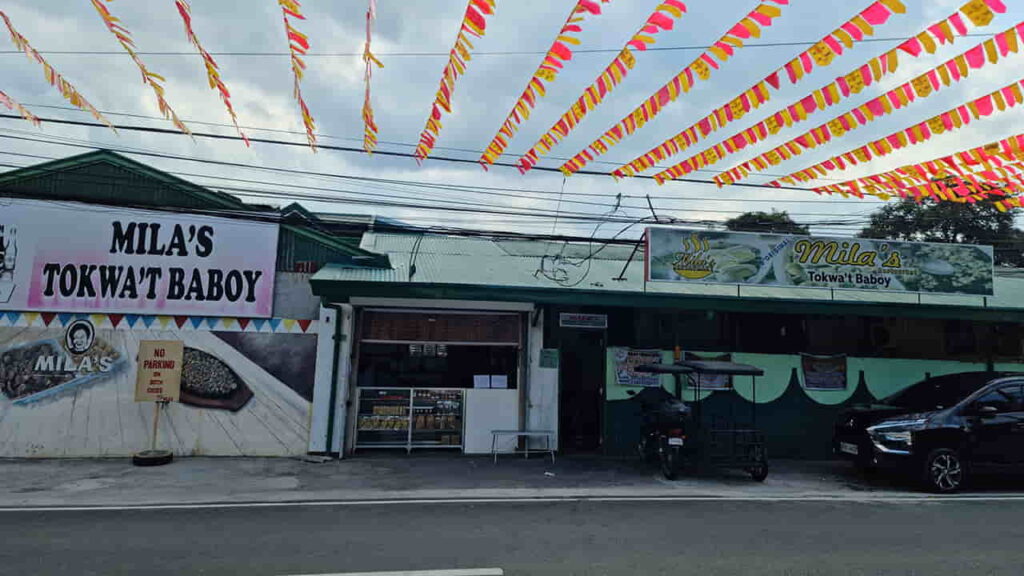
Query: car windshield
935	393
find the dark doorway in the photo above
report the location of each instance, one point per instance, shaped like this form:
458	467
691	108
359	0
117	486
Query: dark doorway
581	395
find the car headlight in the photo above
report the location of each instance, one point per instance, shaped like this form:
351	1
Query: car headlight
895	436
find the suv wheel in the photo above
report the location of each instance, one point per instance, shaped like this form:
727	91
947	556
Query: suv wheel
944	471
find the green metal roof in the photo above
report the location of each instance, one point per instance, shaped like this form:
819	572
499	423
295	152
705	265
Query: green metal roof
475	268
106	177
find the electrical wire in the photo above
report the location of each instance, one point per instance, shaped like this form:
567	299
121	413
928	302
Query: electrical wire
152	130
446	54
190	121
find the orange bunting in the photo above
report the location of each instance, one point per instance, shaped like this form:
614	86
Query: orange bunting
821	53
550	66
369	124
949	121
151	78
298	45
212	70
612	76
66	89
474	24
921	87
700	69
13	104
994	171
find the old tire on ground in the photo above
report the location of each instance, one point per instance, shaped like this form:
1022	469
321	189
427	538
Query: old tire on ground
152	458
944	471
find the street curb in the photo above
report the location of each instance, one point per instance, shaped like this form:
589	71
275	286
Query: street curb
880	498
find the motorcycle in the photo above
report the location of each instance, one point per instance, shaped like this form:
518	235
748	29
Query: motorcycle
663	432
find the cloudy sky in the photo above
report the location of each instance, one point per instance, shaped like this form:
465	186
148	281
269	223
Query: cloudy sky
412	38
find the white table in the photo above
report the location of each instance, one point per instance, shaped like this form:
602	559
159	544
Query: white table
548	436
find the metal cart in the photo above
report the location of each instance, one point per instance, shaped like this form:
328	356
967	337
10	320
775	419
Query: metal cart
721	442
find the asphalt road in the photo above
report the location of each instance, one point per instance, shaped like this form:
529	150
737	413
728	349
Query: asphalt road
706	538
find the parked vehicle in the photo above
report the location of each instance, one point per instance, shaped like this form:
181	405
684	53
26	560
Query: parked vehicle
941	429
665	420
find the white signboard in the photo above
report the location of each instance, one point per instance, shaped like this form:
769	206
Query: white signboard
69	257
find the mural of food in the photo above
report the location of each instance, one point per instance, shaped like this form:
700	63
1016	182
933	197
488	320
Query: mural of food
207	382
67	389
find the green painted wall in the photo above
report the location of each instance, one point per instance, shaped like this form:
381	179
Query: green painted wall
797	422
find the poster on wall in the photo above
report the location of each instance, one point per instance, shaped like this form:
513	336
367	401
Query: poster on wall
823	372
702	256
710	381
69	257
159	371
626	361
69	390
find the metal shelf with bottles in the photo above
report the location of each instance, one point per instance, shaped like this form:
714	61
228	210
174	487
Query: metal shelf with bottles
382	419
437	418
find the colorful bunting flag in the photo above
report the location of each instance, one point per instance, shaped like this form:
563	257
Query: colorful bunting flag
369	124
13	104
474	24
949	121
151	78
994	171
612	76
212	70
298	45
822	53
923	86
66	89
550	66
700	69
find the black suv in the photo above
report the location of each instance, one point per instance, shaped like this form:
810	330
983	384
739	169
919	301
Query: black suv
940	428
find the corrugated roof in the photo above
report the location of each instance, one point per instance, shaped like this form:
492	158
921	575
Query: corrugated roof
483	262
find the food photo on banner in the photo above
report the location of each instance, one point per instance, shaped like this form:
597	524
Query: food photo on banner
68	389
823	372
709	381
626	361
701	256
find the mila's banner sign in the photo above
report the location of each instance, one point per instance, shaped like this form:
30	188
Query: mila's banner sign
68	257
700	256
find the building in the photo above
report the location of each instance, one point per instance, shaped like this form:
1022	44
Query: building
377	335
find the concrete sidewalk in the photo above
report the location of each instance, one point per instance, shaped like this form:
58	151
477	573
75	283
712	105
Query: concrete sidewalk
419	476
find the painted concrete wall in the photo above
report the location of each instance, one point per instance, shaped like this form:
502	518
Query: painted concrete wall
797	422
293	297
247	387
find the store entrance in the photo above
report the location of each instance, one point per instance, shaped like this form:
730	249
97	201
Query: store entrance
581	394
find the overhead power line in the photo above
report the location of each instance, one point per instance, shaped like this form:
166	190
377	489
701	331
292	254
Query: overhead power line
359	150
252	53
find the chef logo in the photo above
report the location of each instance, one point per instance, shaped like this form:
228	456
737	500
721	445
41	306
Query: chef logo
694	262
79	337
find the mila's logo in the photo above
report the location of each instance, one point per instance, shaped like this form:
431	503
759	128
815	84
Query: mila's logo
8	259
84	353
693	262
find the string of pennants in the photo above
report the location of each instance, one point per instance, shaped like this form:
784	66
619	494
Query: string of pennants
986	176
964	176
614	73
149	322
946	74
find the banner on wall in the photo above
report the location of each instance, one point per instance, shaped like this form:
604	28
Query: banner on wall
69	257
626	361
710	381
823	372
701	256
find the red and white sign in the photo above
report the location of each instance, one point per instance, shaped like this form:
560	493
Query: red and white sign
69	257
